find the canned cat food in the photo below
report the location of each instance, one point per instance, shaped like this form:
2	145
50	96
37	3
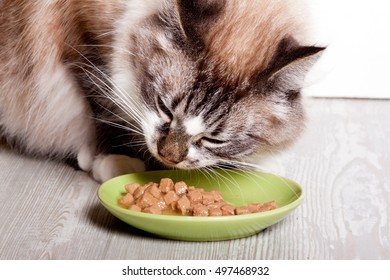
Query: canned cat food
169	198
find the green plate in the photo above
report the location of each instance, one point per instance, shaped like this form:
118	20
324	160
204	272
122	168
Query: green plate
237	187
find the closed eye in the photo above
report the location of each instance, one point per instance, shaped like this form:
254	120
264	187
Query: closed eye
164	111
213	141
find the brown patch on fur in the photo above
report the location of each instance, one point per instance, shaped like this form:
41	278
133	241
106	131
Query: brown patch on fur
66	28
16	58
244	39
38	37
87	26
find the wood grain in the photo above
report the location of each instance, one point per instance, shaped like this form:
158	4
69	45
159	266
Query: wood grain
50	211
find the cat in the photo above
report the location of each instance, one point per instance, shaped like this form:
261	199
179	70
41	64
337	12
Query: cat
117	84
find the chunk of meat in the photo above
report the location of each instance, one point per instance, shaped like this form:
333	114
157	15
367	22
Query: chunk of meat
127	200
227	210
166	185
171	197
217	196
147	200
184	205
135	208
262	207
154	209
155	191
195	196
130	188
180	188
242	210
139	192
215	211
215	206
200	210
207	198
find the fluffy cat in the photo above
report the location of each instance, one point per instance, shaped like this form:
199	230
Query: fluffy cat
113	83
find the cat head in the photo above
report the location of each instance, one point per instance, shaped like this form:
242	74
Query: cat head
219	81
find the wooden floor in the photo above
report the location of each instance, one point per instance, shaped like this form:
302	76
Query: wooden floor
50	211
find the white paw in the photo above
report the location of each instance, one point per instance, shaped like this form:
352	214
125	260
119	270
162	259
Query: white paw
85	158
106	167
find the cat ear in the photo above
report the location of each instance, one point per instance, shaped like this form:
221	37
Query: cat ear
290	66
195	17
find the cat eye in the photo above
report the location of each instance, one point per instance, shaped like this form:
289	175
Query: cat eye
164	109
213	141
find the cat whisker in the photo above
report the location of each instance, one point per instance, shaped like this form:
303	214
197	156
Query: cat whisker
113	93
226	180
129	127
126	107
124	127
250	171
246	166
206	171
110	47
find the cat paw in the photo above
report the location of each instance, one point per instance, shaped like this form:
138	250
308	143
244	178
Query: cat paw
106	167
85	158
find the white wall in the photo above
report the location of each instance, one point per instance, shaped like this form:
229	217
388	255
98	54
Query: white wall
357	61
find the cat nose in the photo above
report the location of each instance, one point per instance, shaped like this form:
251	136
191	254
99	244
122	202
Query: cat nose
167	160
172	149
